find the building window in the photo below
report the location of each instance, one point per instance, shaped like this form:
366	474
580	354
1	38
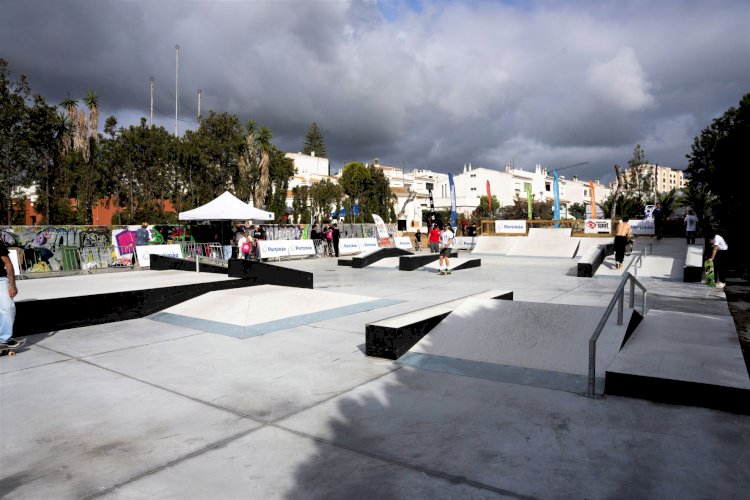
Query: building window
548	186
473	189
473	175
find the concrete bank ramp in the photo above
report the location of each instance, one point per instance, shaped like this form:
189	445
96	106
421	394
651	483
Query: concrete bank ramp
497	245
546	242
536	344
683	358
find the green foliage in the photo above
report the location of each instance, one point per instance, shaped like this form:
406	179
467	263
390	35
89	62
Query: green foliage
519	209
314	142
281	169
370	188
300	208
719	176
324	197
578	210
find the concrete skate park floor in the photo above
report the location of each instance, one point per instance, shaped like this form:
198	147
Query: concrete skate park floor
153	409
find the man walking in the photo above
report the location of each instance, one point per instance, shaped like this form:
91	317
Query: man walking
446	242
691	224
8	291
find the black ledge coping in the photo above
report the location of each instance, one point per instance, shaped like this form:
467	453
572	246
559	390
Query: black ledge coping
588	269
382	253
43	316
394	342
262	273
413	262
163	263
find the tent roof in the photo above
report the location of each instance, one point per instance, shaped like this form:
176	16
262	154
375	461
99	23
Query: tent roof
227	207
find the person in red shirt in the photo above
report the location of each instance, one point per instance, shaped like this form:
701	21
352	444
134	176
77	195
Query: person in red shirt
434	239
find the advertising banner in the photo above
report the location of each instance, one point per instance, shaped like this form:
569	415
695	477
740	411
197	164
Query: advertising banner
301	247
453	201
596	226
145	252
642	226
368	243
464	242
14	260
510	226
380	225
349	246
270	249
403	242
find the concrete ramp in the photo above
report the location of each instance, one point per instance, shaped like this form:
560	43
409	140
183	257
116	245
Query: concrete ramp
546	242
497	245
254	311
537	344
683	358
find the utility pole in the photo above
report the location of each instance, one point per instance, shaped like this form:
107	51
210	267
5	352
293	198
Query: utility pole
176	86
199	106
151	114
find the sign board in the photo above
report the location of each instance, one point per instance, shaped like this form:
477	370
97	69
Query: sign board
642	226
146	251
596	226
402	242
464	242
273	249
349	246
380	225
510	226
301	247
368	243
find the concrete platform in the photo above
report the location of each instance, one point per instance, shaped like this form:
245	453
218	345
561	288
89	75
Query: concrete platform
544	345
546	242
147	409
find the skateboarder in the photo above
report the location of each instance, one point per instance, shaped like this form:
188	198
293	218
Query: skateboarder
8	291
446	241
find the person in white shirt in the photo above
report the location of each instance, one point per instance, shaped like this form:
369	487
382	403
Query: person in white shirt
691	225
446	242
717	257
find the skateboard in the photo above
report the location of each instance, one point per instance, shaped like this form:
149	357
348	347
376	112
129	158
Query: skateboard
10	351
708	267
443	273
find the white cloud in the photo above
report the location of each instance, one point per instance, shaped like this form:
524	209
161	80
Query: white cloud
621	81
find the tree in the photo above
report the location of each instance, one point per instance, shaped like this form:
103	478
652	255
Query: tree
15	150
263	143
519	209
300	199
578	210
638	182
324	196
716	165
281	169
314	142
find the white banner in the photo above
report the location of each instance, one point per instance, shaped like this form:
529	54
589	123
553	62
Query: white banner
14	260
270	249
510	226
402	242
349	246
145	252
642	226
368	243
301	247
380	225
464	242
595	226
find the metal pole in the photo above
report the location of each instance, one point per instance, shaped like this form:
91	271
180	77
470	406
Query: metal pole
632	294
151	120
620	306
176	86
199	105
592	367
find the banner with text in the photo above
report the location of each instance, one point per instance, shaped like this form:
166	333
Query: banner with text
642	226
510	226
403	242
145	252
273	249
596	226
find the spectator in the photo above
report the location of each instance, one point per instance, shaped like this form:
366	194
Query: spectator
719	248
657	215
141	235
434	239
335	236
691	225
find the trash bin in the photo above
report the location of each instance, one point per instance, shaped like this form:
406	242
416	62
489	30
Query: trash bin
70	259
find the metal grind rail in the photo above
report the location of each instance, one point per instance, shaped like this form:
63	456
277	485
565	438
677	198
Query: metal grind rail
638	261
619	299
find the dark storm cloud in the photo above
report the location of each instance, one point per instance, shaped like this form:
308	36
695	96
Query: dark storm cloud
420	84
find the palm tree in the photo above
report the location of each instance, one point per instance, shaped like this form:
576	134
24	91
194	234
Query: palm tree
264	145
668	202
247	163
70	106
92	102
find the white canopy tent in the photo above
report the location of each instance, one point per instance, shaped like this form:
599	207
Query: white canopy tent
227	207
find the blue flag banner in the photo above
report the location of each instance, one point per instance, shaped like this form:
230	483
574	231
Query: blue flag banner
453	201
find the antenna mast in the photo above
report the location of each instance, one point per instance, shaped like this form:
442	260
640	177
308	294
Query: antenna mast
151	121
176	86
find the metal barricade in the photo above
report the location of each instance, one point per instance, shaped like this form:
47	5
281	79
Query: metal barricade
212	251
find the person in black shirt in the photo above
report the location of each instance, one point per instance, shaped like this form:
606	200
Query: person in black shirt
335	236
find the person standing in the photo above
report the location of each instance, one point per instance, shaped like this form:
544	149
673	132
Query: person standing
335	236
691	225
418	240
8	291
717	257
623	235
446	242
433	238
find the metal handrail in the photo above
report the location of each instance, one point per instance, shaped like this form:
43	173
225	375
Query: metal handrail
638	261
619	298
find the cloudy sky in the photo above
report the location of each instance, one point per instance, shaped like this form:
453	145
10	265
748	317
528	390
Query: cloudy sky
416	83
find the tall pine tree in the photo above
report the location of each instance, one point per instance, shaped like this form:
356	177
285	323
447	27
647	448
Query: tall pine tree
314	142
